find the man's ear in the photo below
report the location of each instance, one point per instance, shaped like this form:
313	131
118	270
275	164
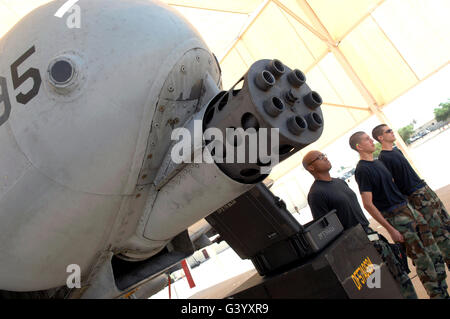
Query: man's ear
310	168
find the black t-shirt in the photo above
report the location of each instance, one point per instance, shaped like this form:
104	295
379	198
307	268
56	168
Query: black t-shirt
405	177
325	196
374	177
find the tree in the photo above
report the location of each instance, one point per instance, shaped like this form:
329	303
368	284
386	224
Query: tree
443	112
406	132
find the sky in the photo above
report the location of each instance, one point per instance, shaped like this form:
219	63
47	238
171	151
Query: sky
417	104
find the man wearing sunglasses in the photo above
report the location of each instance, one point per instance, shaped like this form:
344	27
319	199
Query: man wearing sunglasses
389	207
328	193
420	196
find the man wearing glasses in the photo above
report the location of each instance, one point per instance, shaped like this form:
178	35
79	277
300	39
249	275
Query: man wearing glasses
329	193
388	206
420	196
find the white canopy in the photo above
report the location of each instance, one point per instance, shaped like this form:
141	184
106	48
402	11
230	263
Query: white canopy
359	55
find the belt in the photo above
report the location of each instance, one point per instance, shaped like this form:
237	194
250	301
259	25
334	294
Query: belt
391	211
416	188
395	208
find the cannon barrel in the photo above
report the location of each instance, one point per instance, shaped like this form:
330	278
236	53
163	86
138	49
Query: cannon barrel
274	107
272	96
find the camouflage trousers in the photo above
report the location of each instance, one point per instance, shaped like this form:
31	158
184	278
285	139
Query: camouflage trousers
421	248
395	267
432	209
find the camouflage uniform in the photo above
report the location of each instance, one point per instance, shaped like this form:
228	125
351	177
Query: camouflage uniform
394	265
421	248
430	206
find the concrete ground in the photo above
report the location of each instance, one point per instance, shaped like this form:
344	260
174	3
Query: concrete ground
444	195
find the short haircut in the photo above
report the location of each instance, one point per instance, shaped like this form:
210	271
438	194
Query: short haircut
355	138
378	131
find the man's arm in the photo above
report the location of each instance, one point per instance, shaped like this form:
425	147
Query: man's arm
375	213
